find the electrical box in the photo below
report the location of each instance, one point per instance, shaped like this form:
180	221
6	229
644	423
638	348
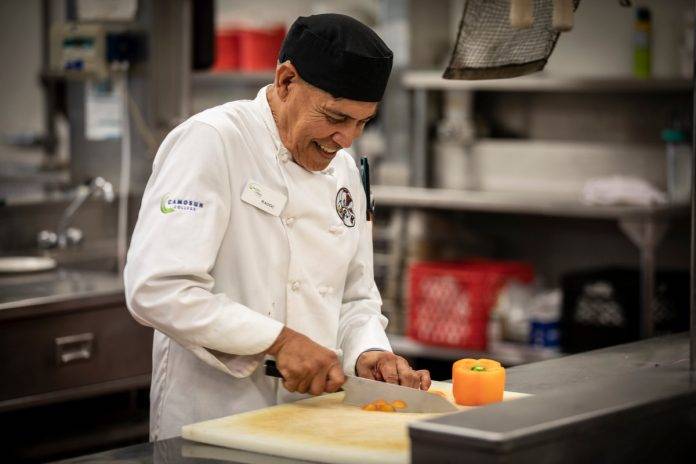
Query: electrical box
79	50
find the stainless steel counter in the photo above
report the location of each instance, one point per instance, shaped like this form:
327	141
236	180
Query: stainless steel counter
179	451
629	403
600	406
52	290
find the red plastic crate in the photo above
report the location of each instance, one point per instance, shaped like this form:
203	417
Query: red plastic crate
226	50
259	48
450	302
248	49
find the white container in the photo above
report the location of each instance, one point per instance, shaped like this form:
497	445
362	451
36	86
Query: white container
679	165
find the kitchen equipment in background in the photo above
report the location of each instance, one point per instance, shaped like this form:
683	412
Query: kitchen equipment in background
66	235
203	34
246	48
449	302
79	50
545	318
510	319
642	43
21	264
678	150
360	391
454	166
601	307
499	39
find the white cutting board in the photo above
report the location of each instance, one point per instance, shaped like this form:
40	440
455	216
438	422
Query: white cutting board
319	429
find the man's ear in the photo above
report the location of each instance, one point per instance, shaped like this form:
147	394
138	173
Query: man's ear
285	76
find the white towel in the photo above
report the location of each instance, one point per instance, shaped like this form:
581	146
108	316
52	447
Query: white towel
621	190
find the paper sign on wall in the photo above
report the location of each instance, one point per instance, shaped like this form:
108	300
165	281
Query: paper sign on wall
107	10
103	110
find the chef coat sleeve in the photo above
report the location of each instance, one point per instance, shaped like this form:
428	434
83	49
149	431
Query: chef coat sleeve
168	278
361	323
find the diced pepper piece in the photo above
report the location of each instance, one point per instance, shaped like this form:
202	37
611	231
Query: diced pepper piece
477	381
369	407
385	408
438	393
398	404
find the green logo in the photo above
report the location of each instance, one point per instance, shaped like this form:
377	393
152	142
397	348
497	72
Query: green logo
255	188
163	205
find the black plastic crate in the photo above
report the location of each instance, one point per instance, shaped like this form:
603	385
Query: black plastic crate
601	307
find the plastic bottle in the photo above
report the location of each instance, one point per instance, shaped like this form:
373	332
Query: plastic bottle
641	43
679	156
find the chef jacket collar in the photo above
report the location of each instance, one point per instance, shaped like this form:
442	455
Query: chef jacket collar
282	153
269	122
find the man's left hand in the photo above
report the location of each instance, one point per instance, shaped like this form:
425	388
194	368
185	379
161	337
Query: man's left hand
390	368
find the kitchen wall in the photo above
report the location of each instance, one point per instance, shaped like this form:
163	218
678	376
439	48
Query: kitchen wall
20	92
20	53
601	41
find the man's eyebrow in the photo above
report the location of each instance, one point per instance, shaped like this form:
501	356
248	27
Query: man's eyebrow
338	114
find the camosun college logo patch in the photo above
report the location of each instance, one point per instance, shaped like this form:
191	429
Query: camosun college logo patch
169	205
344	207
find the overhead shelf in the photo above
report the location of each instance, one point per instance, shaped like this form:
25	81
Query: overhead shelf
543	82
232	77
517	203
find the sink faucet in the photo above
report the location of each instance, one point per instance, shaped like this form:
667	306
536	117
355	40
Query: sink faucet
65	235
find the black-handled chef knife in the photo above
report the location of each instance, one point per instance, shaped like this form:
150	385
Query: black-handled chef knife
360	391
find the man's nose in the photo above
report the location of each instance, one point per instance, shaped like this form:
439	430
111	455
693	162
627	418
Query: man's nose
345	137
342	139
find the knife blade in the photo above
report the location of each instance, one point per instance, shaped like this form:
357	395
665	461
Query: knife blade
360	391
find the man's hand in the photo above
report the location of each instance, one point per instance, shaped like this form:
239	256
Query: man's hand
307	367
390	368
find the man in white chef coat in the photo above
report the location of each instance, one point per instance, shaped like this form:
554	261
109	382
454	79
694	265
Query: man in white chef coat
252	239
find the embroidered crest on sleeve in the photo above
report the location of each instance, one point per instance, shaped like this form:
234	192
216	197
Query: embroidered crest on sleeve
344	207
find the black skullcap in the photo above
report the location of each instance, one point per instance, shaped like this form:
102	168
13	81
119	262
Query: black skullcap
339	55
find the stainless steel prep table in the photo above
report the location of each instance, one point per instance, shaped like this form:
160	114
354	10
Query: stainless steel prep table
67	334
656	370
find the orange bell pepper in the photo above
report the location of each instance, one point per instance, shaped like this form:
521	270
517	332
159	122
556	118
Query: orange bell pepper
477	381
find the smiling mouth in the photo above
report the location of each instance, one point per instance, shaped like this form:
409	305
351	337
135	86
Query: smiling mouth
327	152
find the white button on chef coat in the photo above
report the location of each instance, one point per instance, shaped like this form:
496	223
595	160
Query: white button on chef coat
325	290
284	155
337	229
210	271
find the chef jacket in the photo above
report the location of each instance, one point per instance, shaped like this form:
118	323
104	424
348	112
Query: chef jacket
218	264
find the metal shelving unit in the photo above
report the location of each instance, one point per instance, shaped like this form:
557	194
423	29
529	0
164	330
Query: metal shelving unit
543	82
516	203
214	78
644	226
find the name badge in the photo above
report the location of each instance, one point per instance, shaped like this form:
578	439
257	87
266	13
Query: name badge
264	198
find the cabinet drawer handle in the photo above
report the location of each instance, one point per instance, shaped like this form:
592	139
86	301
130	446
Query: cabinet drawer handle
74	348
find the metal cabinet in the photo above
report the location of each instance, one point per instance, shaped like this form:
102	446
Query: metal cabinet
71	353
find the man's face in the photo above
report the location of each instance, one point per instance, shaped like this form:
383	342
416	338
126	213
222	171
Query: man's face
315	125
